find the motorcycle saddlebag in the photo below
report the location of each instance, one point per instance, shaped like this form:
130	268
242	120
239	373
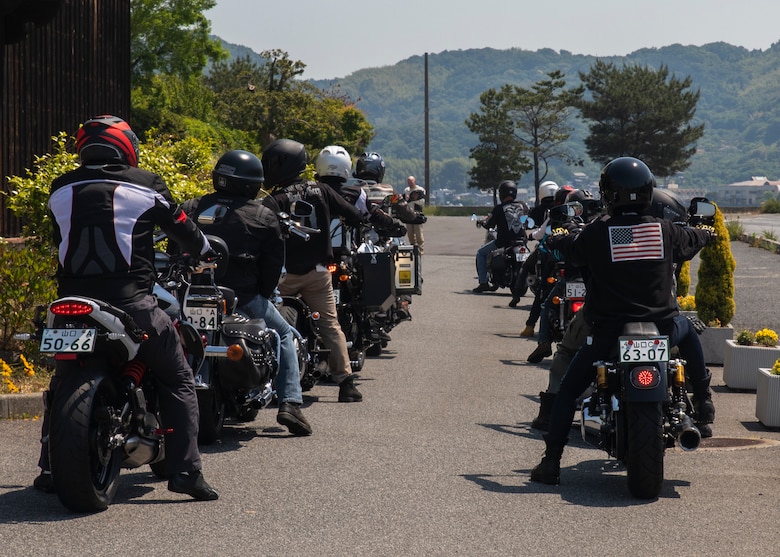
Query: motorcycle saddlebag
258	364
497	264
377	274
407	269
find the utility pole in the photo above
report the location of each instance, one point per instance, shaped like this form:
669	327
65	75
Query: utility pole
427	140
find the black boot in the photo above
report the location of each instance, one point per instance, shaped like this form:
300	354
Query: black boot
548	471
702	404
542	421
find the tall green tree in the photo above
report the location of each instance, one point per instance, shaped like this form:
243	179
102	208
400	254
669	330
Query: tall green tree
499	155
170	37
640	112
540	116
268	102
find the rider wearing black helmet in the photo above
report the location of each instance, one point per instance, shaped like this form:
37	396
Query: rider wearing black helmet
628	282
284	160
256	256
507	218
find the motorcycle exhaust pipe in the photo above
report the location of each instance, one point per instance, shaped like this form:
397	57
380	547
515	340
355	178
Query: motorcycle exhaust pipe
689	436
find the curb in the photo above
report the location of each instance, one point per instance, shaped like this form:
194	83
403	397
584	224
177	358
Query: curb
21	406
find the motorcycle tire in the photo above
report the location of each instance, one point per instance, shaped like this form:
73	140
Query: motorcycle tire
84	470
212	415
645	449
519	285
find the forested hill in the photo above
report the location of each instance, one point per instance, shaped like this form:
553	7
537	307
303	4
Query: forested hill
740	94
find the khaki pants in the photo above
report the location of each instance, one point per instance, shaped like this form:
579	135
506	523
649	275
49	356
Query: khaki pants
316	289
415	234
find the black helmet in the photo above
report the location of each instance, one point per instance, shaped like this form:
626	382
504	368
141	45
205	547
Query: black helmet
238	172
370	166
507	188
667	205
626	184
107	139
591	208
283	161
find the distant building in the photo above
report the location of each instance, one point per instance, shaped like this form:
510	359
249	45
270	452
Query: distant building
749	193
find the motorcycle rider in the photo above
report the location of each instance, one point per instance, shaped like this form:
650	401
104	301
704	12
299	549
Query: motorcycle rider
547	192
507	218
256	248
284	161
625	285
415	196
104	214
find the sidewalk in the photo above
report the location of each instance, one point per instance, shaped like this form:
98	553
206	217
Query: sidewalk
21	406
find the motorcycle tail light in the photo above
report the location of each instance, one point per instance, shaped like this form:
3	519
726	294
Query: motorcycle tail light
344	278
332	268
645	377
556	300
550	280
315	315
70	308
234	352
576	306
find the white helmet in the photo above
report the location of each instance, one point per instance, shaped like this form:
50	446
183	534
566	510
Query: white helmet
334	160
547	189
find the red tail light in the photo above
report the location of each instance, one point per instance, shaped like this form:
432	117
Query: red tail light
332	268
70	308
645	377
576	306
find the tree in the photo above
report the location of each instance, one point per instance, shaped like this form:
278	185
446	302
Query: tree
499	155
640	112
268	102
540	116
170	37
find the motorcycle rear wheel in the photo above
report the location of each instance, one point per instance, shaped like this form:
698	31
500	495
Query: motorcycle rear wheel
212	415
84	469
645	449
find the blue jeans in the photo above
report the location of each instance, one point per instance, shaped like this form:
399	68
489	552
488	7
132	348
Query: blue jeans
288	381
482	256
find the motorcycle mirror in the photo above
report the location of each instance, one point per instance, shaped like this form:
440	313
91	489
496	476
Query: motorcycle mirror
474	217
703	209
530	222
301	209
212	215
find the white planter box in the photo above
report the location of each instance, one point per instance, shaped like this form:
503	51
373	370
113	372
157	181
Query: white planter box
741	363
768	398
713	343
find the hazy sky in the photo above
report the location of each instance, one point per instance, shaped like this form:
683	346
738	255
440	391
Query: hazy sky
336	38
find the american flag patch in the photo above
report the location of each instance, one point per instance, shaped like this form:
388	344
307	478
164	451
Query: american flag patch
634	243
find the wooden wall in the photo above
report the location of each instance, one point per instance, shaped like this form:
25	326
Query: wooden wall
63	61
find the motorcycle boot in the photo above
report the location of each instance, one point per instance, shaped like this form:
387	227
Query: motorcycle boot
528	331
348	392
483	287
291	417
542	421
543	349
703	405
548	471
192	484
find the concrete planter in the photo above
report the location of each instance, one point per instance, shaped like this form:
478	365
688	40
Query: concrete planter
741	363
768	398
713	343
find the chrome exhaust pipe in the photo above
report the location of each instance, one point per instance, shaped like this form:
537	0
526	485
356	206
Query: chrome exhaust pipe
689	435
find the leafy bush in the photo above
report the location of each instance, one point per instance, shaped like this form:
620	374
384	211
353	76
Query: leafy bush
735	228
687	303
770	206
745	338
684	280
715	288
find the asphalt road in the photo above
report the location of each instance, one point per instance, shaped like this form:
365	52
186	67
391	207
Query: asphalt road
435	460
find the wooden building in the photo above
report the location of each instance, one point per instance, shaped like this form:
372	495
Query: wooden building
63	61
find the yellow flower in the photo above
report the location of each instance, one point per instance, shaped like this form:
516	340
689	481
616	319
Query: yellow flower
766	337
776	367
687	303
29	370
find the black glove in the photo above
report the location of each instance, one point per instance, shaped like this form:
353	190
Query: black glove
210	255
697	323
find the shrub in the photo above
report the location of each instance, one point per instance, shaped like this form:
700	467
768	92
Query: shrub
770	206
684	279
745	338
687	303
766	337
735	229
715	288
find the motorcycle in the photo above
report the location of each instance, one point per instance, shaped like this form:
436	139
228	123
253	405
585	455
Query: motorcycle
568	297
505	265
640	405
104	412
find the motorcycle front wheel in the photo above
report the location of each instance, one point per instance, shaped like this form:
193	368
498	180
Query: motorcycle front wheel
84	469
645	449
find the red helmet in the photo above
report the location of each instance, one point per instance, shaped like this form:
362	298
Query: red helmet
107	139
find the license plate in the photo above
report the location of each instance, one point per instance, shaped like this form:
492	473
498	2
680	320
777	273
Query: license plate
68	340
521	256
337	295
575	289
203	318
654	349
